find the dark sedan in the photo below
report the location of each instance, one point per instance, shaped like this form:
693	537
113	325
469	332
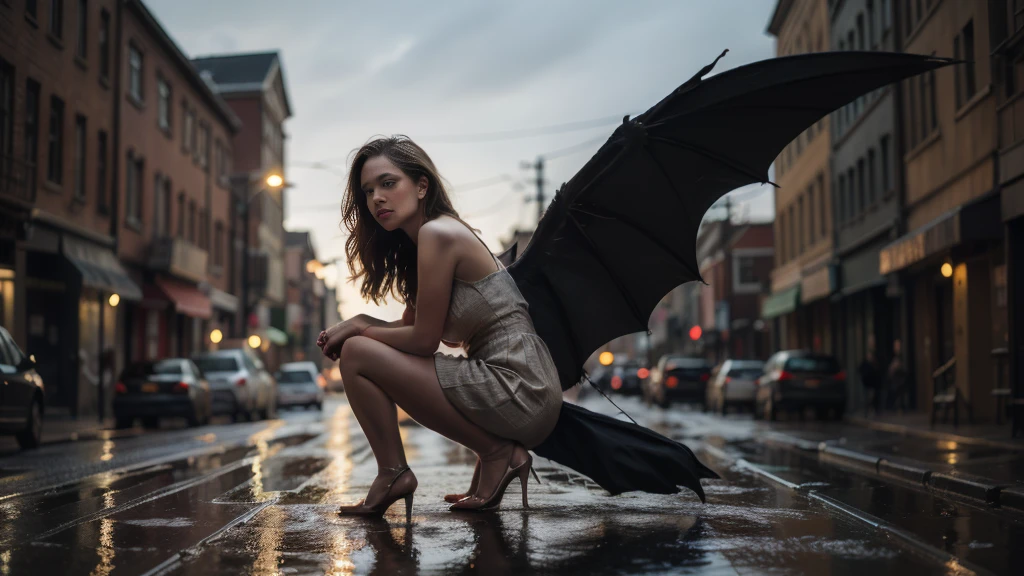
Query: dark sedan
795	380
21	394
678	379
628	378
173	387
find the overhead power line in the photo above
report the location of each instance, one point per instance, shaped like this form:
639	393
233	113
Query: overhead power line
522	133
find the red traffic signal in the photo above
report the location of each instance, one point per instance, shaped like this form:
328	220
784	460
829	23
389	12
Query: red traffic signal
695	333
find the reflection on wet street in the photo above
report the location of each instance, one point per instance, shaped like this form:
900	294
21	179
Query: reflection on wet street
260	498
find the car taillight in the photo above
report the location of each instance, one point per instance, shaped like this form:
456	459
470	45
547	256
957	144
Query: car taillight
643	373
671	382
783	375
705	377
240	382
616	382
180	388
841	376
120	388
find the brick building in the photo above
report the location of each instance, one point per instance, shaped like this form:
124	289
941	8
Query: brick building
174	144
803	278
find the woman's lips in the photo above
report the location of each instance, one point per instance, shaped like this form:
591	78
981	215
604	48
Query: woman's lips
385	214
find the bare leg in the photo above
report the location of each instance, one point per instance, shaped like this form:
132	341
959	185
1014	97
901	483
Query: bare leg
378	376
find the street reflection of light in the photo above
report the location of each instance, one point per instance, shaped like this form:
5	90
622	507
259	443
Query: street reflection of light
269	541
341	552
106	549
948	445
952	459
108	450
5	562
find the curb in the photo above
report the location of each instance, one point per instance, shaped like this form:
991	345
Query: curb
933	434
921	473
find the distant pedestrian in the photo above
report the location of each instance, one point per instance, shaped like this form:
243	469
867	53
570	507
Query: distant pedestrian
899	390
871	380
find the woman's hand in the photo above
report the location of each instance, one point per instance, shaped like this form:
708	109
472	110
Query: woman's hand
332	339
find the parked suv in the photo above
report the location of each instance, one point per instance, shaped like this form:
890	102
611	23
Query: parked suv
678	379
21	394
241	386
797	379
300	384
173	387
733	383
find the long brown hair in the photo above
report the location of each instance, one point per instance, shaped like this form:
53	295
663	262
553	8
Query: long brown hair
386	261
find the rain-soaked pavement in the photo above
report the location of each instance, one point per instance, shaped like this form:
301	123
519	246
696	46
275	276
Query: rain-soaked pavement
259	498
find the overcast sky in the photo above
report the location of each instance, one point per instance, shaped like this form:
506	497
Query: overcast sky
451	74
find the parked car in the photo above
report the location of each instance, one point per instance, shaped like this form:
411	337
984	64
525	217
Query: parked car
627	378
172	387
300	384
242	387
602	378
733	383
22	401
798	379
678	379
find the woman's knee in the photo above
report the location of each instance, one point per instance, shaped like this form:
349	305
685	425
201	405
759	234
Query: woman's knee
352	350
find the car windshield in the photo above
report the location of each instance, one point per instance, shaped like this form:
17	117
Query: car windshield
149	368
745	372
824	364
217	364
295	377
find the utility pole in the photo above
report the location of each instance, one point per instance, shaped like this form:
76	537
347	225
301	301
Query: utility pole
539	167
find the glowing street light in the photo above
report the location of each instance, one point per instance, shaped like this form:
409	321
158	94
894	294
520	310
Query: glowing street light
114	300
275	180
216	336
947	270
606	358
255	341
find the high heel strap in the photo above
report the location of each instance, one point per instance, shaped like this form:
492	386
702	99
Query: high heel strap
398	472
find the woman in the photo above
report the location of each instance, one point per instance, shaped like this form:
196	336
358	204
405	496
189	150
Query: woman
406	239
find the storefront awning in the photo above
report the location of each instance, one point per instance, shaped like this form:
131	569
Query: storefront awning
978	221
781	303
100	268
187	299
221	300
277	336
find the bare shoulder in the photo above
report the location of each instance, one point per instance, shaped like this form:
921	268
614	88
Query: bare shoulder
447	230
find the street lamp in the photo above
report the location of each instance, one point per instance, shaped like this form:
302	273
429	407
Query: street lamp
275	180
114	300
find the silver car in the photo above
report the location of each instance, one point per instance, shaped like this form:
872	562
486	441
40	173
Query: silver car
733	383
241	386
300	384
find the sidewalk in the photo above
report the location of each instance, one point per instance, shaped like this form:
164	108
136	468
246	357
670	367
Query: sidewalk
61	427
977	461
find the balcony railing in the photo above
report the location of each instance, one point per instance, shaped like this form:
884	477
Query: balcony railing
179	257
16	180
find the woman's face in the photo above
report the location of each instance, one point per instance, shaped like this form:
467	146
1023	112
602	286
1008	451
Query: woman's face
392	197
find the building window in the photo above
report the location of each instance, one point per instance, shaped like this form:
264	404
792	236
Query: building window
886	170
101	171
203	149
861	185
791	219
851	189
810	216
886	11
218	244
83	27
55	148
747	273
79	157
186	128
780	235
181	215
800	222
163	111
31	131
159	230
31	8
912	117
871	176
821	199
135	72
963	48
872	37
192	132
6	110
57	18
841	206
104	45
192	222
909	17
133	190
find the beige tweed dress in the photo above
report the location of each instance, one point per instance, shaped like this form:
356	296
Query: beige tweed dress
507	384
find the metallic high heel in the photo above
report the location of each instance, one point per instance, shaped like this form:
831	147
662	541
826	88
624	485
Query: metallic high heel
361	510
494	501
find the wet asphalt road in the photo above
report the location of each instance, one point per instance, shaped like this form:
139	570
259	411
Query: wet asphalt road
259	498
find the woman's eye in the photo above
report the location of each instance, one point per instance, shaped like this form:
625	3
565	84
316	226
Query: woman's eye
389	182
